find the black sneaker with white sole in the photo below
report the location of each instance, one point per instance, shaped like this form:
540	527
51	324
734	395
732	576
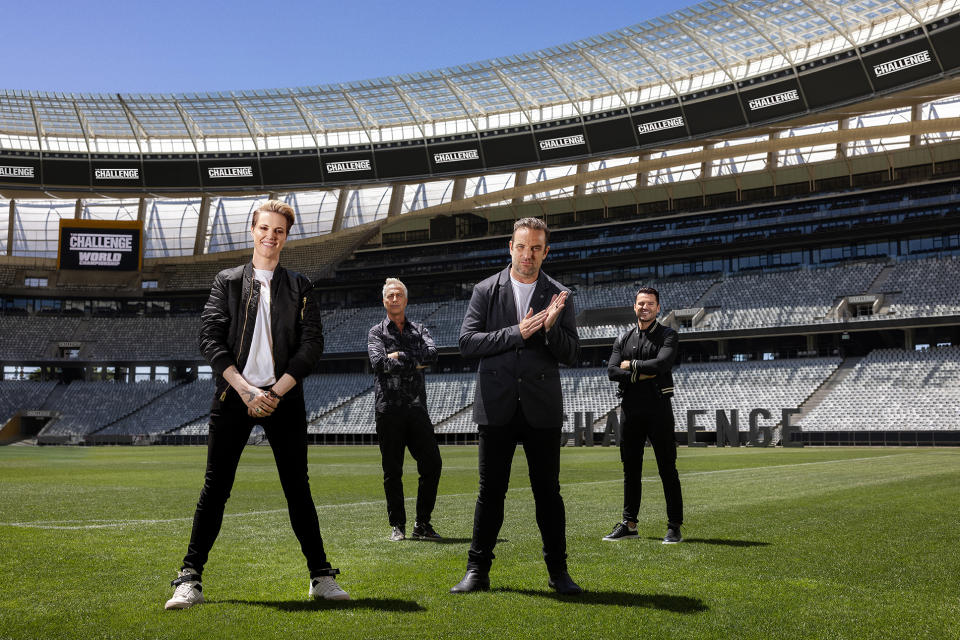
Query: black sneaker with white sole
673	535
423	531
621	532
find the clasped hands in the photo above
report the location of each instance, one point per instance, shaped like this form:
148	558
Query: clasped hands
545	319
260	403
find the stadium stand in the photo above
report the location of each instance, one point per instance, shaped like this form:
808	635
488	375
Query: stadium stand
325	392
894	389
828	229
925	288
772	385
785	298
182	405
85	407
912	289
140	338
35	337
22	395
315	259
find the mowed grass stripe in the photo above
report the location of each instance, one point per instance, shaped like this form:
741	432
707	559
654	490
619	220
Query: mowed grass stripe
777	548
410	470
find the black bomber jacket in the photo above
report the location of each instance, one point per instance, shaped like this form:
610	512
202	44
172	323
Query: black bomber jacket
651	352
230	314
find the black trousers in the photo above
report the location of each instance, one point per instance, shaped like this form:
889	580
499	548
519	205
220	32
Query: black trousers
542	448
654	421
397	429
286	430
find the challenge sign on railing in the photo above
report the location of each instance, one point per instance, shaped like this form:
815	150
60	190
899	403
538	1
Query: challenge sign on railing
103	245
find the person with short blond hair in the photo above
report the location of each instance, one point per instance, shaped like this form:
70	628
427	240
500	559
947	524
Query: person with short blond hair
260	331
400	350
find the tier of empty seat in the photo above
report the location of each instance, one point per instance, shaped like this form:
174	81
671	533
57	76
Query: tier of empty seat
22	395
86	407
897	390
804	296
892	390
767	384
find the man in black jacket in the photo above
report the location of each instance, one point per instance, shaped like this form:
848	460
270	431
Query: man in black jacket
399	351
261	333
521	325
642	363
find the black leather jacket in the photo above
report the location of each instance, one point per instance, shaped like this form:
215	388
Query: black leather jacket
650	352
229	317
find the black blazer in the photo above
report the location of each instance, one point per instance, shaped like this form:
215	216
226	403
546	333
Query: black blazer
513	369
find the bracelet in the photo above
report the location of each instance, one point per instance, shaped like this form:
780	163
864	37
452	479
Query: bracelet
273	394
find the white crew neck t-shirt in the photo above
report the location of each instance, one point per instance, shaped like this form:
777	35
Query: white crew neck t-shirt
258	370
522	293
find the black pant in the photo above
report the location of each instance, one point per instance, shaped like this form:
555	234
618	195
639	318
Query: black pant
286	430
653	421
398	428
542	449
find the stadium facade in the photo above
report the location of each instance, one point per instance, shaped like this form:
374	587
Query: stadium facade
784	172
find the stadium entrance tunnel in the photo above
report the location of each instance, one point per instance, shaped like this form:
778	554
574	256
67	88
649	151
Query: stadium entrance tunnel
25	425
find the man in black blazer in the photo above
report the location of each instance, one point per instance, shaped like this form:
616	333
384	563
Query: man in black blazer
521	325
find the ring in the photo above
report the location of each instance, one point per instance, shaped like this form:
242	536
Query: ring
259	410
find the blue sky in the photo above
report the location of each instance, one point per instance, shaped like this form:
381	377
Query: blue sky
180	46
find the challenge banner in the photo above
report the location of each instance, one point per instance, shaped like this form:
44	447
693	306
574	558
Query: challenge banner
100	245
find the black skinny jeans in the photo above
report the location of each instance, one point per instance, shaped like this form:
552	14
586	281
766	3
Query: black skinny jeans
286	430
654	421
411	428
542	449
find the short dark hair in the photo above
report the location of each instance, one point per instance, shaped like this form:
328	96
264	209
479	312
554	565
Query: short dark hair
648	290
532	223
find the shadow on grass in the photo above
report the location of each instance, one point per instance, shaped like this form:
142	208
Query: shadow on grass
442	540
662	601
721	542
378	604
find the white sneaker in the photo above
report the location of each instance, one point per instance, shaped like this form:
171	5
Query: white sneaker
188	590
326	588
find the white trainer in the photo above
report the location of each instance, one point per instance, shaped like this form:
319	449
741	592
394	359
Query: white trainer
326	588
188	590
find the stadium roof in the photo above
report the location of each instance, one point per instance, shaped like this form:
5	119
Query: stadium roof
708	44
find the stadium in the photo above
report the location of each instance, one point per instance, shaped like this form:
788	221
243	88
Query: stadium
786	174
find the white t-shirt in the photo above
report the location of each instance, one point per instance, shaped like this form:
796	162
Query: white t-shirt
259	368
521	296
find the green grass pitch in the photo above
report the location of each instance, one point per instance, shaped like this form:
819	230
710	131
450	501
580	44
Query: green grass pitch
780	543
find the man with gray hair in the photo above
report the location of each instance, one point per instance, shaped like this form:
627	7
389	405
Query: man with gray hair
399	351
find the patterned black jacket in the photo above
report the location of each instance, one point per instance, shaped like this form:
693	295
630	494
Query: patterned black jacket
399	382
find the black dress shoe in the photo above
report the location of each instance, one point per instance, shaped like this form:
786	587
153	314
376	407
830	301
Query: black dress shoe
564	584
474	581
